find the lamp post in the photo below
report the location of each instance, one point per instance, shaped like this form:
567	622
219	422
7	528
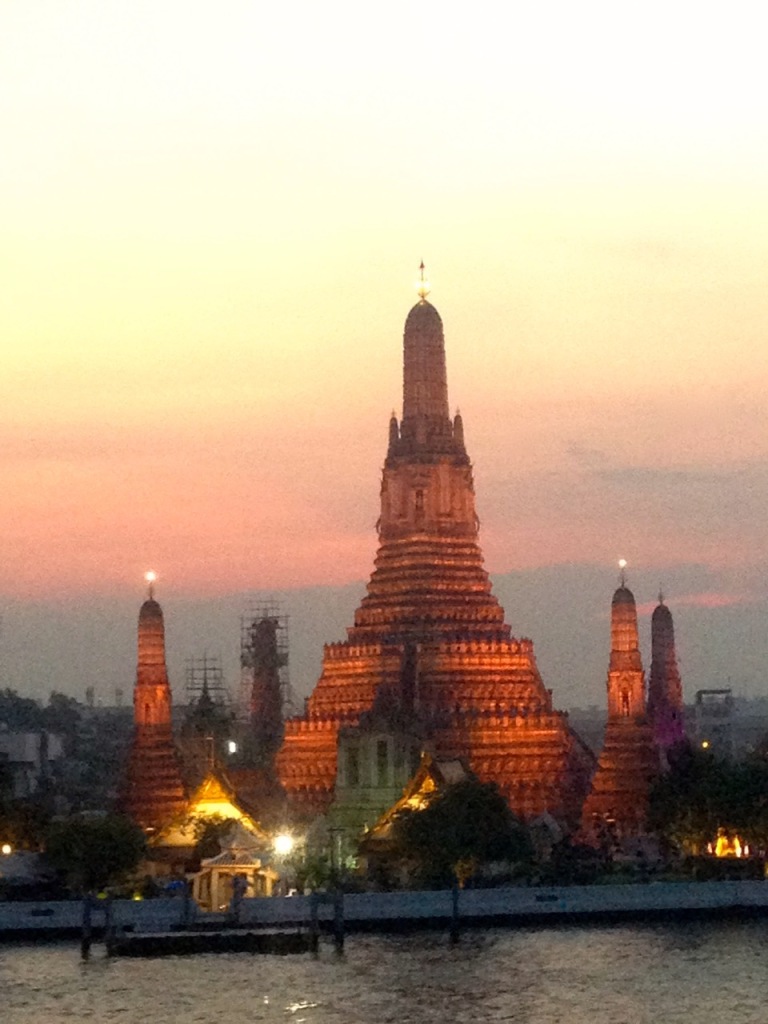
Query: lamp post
337	863
283	845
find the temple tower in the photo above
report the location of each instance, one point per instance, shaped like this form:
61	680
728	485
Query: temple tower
153	792
429	632
665	690
617	804
264	662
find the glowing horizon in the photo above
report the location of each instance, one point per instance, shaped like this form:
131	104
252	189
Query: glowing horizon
212	223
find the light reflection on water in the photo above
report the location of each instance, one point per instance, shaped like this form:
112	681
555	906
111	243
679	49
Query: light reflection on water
599	975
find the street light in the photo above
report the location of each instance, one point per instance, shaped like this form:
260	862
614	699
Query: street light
283	844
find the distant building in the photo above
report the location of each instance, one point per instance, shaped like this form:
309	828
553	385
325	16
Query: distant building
27	757
713	721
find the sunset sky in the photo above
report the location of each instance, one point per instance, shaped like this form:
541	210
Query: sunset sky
212	218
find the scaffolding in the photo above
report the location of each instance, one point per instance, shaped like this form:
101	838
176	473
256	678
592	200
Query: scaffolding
265	689
203	674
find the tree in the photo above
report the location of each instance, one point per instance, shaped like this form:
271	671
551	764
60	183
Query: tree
464	826
6	784
686	803
23	821
701	795
748	803
20	714
210	833
309	869
23	824
93	852
62	715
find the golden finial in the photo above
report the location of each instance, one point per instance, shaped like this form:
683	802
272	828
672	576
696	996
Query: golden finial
422	286
150	577
622	573
661	595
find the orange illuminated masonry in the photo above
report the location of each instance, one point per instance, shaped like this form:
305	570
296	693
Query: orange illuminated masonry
429	638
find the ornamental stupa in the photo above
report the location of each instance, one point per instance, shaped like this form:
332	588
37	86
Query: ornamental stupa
429	635
617	805
153	792
665	690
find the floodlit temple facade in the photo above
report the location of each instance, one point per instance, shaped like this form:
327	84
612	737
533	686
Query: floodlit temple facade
429	635
617	805
153	792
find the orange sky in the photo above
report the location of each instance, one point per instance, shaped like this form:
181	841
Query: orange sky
212	217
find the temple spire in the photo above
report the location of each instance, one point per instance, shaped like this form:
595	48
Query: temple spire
153	791
151	578
423	289
617	804
426	419
665	691
625	644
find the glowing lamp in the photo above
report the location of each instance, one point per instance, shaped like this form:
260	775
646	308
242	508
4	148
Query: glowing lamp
6	849
730	846
232	746
283	845
705	744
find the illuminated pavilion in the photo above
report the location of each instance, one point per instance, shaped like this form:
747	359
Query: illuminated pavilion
245	847
429	634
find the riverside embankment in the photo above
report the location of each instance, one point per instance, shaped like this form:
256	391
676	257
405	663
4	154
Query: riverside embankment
401	910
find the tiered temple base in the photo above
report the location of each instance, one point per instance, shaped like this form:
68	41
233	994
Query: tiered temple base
152	791
618	800
480	701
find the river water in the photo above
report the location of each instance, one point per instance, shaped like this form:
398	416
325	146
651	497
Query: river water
622	974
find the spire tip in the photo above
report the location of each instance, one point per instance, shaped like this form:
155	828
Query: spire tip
422	287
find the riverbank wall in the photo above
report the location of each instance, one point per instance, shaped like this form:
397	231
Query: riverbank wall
398	910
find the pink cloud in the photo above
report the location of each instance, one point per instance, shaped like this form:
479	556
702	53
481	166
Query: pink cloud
705	599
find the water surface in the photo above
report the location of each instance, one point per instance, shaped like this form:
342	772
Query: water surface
675	974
